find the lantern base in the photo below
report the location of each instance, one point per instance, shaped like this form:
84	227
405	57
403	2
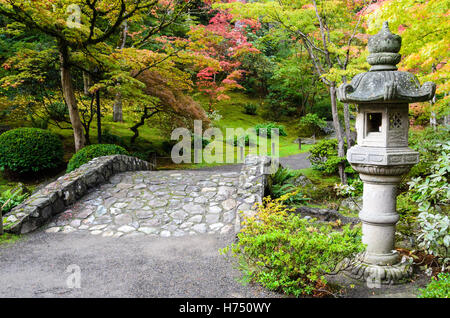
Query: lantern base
377	275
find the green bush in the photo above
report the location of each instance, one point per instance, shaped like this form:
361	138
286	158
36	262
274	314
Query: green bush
324	156
12	198
250	109
280	186
269	127
428	143
323	109
285	252
438	288
93	151
25	150
311	124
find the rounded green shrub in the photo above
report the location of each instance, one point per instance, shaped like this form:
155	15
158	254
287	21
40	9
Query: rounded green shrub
25	150
93	151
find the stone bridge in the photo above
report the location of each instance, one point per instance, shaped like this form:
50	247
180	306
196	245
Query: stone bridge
118	196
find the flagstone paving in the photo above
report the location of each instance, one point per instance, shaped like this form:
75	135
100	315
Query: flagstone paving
156	203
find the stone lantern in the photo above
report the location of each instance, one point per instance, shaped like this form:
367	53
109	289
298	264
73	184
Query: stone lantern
381	155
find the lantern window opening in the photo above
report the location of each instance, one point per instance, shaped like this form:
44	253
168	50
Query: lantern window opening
374	123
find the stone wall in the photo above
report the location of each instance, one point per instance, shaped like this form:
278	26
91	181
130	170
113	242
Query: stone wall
56	196
252	186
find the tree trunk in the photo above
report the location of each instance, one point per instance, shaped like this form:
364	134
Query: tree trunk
433	121
339	134
69	97
348	134
117	109
86	83
99	118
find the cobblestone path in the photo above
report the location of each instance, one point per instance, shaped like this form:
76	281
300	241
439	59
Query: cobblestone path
156	203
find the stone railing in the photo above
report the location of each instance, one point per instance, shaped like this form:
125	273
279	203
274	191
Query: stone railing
252	186
66	190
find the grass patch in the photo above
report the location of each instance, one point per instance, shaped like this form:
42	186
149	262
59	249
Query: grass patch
8	238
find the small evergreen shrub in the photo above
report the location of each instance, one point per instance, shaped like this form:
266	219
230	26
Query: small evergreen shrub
25	150
438	288
93	151
280	186
250	109
311	124
285	252
324	156
269	127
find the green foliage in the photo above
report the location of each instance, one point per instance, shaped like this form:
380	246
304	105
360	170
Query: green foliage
12	198
322	109
353	189
268	128
282	175
434	235
58	111
324	156
93	151
428	143
25	150
167	146
250	109
425	204
433	191
311	124
281	185
285	252
245	140
438	288
109	138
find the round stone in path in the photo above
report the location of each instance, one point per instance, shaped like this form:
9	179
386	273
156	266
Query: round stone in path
162	203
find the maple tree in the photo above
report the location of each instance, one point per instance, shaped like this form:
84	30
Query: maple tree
330	32
425	29
217	49
84	28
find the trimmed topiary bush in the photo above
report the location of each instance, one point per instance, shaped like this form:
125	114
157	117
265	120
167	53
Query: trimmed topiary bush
93	151
25	150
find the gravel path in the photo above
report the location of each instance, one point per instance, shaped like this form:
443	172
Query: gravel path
120	267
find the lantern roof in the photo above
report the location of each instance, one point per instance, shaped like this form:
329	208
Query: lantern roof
384	83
